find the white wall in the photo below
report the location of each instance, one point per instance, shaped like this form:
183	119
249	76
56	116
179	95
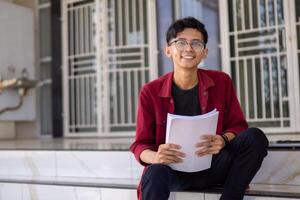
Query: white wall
17	53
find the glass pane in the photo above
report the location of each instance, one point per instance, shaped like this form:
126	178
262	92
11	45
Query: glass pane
297	7
45	32
45	70
46	109
44	1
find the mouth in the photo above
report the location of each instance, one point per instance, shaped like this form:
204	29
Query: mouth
188	57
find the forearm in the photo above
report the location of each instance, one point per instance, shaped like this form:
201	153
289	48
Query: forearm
230	136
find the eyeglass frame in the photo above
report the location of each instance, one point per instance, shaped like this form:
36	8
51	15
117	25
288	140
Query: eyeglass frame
188	43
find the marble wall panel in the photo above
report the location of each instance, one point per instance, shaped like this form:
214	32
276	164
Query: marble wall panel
217	196
136	168
118	194
280	167
94	164
13	162
10	191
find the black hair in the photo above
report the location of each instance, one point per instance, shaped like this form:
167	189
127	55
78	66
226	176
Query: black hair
187	22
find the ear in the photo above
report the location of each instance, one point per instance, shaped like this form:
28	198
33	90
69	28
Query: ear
168	51
205	53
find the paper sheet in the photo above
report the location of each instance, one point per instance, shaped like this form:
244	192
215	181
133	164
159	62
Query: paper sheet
186	132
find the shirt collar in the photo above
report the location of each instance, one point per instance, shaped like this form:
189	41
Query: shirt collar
205	82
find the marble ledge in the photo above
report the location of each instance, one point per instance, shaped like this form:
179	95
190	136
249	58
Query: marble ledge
266	190
121	183
66	144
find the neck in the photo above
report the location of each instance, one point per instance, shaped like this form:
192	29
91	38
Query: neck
185	79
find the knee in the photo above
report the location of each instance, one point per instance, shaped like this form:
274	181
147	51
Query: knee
257	139
156	174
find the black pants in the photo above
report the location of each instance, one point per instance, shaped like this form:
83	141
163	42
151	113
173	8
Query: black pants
233	168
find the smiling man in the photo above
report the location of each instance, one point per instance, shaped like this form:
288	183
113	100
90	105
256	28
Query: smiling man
237	150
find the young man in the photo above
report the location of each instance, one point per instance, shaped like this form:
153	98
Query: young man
237	151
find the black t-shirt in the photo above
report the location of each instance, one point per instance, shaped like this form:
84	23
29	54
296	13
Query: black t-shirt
186	101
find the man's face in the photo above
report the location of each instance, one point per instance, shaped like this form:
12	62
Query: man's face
190	55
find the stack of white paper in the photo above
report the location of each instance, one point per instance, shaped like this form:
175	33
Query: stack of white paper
186	132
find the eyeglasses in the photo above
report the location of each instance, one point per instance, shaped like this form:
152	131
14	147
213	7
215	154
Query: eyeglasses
182	45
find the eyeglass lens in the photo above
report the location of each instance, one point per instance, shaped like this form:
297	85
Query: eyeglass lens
183	44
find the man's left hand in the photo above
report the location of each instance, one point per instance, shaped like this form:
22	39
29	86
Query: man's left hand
209	144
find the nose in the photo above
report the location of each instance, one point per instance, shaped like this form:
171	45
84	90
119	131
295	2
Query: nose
189	47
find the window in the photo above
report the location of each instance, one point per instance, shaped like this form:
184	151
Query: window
44	66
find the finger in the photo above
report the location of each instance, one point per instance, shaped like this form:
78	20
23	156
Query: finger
208	150
171	152
202	151
170	146
169	159
203	144
207	137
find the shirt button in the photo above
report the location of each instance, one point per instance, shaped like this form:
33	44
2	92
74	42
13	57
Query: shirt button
203	108
205	93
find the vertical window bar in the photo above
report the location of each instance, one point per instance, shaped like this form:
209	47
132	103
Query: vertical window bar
267	13
134	29
254	87
258	13
115	97
88	97
243	17
114	23
90	25
77	31
235	32
136	85
122	97
85	25
238	88
271	87
126	32
246	88
142	13
81	30
141	17
278	65
71	32
263	87
129	97
77	101
120	15
250	14
83	103
72	106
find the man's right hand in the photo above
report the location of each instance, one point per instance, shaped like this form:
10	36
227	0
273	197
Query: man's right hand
166	154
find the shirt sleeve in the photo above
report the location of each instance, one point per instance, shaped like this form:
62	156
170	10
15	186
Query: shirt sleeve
234	119
145	125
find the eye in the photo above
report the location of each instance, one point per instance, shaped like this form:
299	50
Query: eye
181	43
197	44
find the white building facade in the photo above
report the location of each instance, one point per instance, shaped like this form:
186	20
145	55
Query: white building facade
105	50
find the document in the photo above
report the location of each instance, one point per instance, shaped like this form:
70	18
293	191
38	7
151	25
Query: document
186	132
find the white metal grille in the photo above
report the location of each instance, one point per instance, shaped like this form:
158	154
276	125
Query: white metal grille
81	72
260	62
108	59
128	60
